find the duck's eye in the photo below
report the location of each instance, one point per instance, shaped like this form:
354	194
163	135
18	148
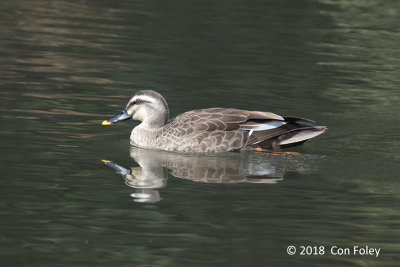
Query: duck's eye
138	101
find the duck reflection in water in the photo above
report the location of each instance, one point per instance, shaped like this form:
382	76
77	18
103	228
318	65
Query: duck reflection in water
227	168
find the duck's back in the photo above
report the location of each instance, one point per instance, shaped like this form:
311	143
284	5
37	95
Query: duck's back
205	130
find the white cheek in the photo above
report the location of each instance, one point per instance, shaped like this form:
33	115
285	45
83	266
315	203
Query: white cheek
138	115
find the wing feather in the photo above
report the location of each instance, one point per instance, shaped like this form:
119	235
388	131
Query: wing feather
228	119
230	129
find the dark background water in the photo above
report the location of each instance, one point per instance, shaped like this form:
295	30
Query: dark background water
67	65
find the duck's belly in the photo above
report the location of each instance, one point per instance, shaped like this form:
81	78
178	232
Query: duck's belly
195	143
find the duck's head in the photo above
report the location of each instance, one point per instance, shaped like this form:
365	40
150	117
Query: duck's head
147	106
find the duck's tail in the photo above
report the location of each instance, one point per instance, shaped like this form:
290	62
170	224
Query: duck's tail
292	131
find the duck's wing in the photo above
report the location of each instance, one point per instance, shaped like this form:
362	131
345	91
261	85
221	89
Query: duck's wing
278	134
252	128
222	119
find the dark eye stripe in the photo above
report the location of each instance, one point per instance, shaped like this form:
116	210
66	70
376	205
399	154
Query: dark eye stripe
136	102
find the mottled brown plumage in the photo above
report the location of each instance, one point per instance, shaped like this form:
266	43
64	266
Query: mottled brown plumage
212	129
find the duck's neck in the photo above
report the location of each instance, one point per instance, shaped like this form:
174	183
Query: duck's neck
155	119
153	123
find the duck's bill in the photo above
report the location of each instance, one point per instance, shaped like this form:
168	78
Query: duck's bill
120	117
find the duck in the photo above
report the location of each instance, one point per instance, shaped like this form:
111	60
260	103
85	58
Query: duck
210	130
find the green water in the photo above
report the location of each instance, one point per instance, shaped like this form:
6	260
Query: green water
67	65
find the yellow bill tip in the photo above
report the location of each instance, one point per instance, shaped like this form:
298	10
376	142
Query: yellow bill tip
105	161
106	123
